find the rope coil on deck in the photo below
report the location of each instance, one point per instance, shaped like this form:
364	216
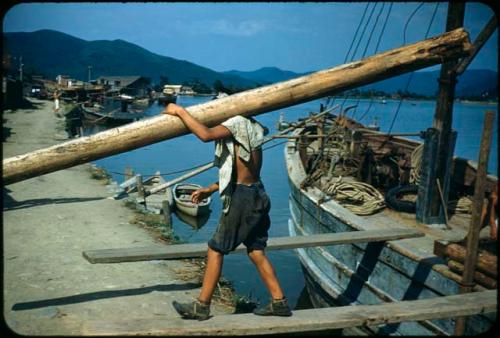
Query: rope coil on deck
416	164
358	197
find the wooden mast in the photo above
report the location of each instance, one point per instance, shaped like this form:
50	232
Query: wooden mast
435	50
443	117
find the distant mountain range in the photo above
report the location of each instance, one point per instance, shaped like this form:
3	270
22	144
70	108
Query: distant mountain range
52	53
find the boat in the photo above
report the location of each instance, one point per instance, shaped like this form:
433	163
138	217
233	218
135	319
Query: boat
169	94
320	173
99	114
195	222
182	197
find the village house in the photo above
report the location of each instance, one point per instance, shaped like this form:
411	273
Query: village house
131	85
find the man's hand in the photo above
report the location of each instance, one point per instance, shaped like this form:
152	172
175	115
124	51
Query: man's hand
173	109
200	194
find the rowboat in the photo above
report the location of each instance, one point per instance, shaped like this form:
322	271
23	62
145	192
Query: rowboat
182	197
97	114
376	272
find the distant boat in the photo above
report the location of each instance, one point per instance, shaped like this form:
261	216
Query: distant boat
219	95
182	198
384	102
169	94
97	114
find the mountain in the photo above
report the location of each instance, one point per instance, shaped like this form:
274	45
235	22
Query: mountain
473	82
53	53
266	75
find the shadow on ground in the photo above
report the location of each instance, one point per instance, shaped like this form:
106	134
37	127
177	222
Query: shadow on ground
11	204
88	297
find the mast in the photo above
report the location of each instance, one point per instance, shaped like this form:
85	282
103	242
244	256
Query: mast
430	209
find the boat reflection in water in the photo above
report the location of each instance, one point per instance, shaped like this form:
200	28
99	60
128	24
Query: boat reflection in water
195	222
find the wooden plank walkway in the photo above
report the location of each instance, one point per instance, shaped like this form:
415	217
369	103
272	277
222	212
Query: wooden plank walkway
178	251
302	321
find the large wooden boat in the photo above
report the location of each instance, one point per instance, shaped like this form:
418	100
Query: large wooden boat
373	273
97	114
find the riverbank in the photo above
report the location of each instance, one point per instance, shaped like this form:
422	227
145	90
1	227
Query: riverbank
49	288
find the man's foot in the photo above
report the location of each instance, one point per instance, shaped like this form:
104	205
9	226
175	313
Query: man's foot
275	308
193	310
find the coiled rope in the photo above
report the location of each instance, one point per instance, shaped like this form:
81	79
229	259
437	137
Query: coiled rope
358	197
416	164
461	206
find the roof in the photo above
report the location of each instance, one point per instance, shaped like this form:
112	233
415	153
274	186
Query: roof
124	80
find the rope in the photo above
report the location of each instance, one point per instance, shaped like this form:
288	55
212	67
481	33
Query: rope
358	197
416	164
461	206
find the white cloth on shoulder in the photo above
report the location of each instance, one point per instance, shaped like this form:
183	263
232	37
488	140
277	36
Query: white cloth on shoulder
249	134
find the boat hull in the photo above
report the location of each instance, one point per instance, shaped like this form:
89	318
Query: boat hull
371	273
183	203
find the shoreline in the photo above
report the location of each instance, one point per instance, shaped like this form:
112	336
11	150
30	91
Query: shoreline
49	288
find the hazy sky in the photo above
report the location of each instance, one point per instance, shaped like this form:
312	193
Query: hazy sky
246	36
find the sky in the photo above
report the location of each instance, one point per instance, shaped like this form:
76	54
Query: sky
300	36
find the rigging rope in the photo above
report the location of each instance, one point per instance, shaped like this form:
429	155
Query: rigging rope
416	164
359	197
411	74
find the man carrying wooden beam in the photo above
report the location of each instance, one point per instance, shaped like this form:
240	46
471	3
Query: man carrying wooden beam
246	205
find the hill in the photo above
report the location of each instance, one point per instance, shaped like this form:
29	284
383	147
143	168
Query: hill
266	75
52	53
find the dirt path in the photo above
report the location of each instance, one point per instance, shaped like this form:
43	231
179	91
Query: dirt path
49	288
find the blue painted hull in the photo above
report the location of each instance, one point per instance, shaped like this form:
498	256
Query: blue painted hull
370	273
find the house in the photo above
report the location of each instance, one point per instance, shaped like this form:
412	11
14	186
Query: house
62	80
186	90
172	89
130	85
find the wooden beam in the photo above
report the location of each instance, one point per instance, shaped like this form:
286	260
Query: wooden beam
303	321
481	39
179	251
450	45
475	221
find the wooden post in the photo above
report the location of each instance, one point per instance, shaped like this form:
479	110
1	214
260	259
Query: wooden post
481	39
129	173
264	99
140	187
475	222
443	116
167	215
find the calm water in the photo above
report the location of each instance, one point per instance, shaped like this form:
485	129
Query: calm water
188	151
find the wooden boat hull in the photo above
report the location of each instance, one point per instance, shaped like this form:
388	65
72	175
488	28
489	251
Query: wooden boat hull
183	203
94	116
166	99
367	273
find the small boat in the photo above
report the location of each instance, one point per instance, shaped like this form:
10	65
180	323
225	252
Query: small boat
164	99
194	222
182	198
219	95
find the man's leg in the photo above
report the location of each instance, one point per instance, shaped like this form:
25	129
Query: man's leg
279	304
266	272
212	275
200	309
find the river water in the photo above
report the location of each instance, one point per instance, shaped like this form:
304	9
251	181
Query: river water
187	151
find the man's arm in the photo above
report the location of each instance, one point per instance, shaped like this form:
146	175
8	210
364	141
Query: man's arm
200	194
196	127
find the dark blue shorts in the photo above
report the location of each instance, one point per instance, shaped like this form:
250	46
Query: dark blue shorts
247	220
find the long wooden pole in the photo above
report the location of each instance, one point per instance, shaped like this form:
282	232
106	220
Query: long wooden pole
475	221
450	45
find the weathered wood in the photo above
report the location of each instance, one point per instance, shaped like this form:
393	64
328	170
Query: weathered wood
443	118
303	321
471	257
486	262
479	277
481	39
179	251
167	215
139	186
394	62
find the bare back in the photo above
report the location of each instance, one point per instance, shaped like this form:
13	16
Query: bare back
248	173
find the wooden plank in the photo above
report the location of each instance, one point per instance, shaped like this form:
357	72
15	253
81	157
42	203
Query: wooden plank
408	58
180	251
302	321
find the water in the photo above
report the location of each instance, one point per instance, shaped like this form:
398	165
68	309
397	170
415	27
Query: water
187	151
